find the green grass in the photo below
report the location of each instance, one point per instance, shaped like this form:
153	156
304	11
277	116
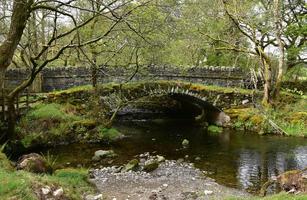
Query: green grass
22	185
46	122
280	196
51	111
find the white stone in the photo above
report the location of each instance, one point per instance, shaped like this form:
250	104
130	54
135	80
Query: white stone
165	185
93	197
46	190
208	192
245	101
58	192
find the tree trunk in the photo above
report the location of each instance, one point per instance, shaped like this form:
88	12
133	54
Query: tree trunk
11	118
281	59
21	13
267	84
94	70
265	60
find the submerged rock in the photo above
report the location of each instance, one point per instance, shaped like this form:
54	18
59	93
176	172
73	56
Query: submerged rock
101	154
35	163
185	143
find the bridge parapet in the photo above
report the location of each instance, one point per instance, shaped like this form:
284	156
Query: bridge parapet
58	78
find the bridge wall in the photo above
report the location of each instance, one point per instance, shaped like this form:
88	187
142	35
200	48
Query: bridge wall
65	77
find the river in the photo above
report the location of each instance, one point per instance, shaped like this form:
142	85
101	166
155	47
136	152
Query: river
235	159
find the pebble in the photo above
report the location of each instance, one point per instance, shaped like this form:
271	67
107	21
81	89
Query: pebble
93	197
208	192
165	185
59	192
46	190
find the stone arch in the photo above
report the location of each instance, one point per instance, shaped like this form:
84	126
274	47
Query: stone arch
208	111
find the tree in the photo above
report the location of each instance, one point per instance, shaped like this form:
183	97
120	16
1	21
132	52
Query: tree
62	35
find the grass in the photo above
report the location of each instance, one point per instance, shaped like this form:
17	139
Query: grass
51	111
22	185
291	118
47	122
280	196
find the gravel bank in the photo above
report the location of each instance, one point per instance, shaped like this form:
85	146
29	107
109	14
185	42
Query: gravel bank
170	181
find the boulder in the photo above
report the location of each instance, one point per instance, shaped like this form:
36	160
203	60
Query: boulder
185	143
34	163
151	165
131	165
101	154
160	159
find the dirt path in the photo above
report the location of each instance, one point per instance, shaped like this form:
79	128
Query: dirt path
171	181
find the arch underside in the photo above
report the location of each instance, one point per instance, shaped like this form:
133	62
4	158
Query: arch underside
189	105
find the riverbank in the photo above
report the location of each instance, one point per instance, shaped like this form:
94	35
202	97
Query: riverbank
287	119
171	180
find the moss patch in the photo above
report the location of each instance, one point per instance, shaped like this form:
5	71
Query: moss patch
110	134
215	129
55	123
291	118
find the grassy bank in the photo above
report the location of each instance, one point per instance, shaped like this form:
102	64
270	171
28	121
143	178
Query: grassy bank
26	186
291	119
54	123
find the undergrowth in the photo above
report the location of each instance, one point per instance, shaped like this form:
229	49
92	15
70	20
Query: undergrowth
290	118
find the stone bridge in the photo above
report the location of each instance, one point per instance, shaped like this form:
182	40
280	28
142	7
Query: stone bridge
208	102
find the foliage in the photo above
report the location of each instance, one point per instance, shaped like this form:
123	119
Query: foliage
50	159
290	117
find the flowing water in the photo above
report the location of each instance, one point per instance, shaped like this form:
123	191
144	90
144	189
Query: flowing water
233	158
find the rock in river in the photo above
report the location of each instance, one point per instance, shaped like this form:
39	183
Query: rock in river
185	143
33	162
101	154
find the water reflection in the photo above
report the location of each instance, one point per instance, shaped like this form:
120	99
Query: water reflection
256	166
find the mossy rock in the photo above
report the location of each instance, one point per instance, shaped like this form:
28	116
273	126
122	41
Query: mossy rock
236	112
297	117
244	116
87	123
34	163
257	119
151	165
131	165
110	134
